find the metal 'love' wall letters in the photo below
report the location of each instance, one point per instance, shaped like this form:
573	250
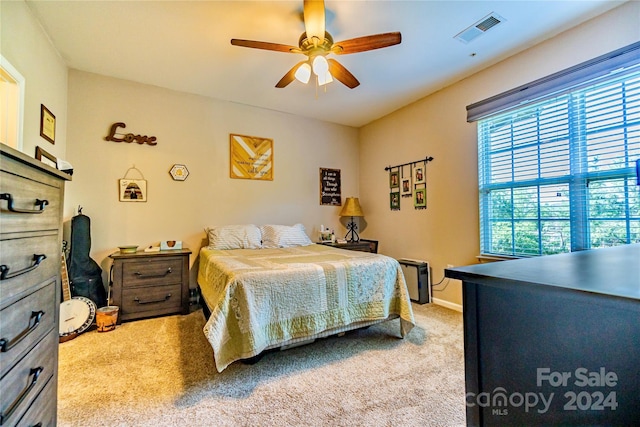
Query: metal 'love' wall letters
129	137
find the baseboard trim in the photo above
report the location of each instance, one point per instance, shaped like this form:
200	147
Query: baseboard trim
447	304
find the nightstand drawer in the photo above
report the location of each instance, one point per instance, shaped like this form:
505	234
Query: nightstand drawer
152	272
26	322
159	298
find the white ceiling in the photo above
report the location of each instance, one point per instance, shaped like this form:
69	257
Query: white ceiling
185	46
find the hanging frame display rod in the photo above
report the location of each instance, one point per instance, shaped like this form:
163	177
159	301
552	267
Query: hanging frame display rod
425	160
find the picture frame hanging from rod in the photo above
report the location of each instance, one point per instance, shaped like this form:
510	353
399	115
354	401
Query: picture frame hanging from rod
406	180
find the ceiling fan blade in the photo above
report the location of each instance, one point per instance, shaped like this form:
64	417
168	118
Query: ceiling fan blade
314	21
265	45
290	76
343	75
362	44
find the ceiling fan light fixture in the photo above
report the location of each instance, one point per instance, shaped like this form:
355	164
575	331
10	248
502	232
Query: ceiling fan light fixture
324	79
316	43
320	65
303	73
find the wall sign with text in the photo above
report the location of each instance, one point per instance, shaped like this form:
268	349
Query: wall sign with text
116	136
330	192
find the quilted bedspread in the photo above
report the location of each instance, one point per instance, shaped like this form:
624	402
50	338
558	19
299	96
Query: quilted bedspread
261	298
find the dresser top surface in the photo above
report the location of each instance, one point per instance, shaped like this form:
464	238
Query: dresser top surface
611	271
9	152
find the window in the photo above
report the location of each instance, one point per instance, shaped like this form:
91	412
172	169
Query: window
559	175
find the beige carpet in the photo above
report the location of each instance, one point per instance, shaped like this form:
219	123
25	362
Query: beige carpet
160	372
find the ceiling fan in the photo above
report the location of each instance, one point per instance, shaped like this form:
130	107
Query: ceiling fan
316	44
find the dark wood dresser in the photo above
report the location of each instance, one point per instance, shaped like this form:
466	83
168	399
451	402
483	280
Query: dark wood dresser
32	195
553	340
147	284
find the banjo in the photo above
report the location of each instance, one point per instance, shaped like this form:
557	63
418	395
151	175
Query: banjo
76	313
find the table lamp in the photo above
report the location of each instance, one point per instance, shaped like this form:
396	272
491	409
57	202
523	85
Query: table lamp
352	208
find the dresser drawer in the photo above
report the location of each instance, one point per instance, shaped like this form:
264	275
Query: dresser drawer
161	299
24	194
43	410
19	255
26	322
153	272
25	381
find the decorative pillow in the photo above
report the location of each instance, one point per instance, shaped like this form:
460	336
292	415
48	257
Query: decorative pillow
234	237
284	236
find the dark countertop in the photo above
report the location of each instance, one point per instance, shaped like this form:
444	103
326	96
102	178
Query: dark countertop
613	271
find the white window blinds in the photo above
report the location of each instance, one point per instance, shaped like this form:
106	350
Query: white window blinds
559	175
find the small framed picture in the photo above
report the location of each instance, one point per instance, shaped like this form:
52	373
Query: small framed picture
47	124
418	175
420	198
46	158
179	172
394	200
406	187
133	190
394	179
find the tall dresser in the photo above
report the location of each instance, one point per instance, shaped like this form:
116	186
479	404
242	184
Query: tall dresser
31	199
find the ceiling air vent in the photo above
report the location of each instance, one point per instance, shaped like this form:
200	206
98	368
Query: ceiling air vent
479	28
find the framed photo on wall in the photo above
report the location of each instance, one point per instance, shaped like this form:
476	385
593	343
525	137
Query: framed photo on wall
47	124
406	187
394	200
394	179
420	198
418	175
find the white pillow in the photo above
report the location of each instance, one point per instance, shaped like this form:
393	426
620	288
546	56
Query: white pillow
284	236
234	237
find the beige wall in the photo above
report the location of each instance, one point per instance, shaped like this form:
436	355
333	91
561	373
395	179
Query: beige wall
194	131
447	232
25	45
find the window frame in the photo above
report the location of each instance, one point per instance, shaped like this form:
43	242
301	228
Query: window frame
578	178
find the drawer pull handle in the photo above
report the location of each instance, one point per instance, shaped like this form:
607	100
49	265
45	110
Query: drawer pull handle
6	345
4	269
39	202
166	273
36	374
136	299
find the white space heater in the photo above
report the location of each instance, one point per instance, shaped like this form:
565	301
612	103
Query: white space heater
418	277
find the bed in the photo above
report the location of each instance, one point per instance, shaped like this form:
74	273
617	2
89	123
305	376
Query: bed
269	290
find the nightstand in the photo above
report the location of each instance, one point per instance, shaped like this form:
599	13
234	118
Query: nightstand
147	284
363	245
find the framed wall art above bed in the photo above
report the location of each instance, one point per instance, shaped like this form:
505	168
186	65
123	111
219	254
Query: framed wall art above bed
251	157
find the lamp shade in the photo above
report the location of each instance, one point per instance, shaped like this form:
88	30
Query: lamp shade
351	207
